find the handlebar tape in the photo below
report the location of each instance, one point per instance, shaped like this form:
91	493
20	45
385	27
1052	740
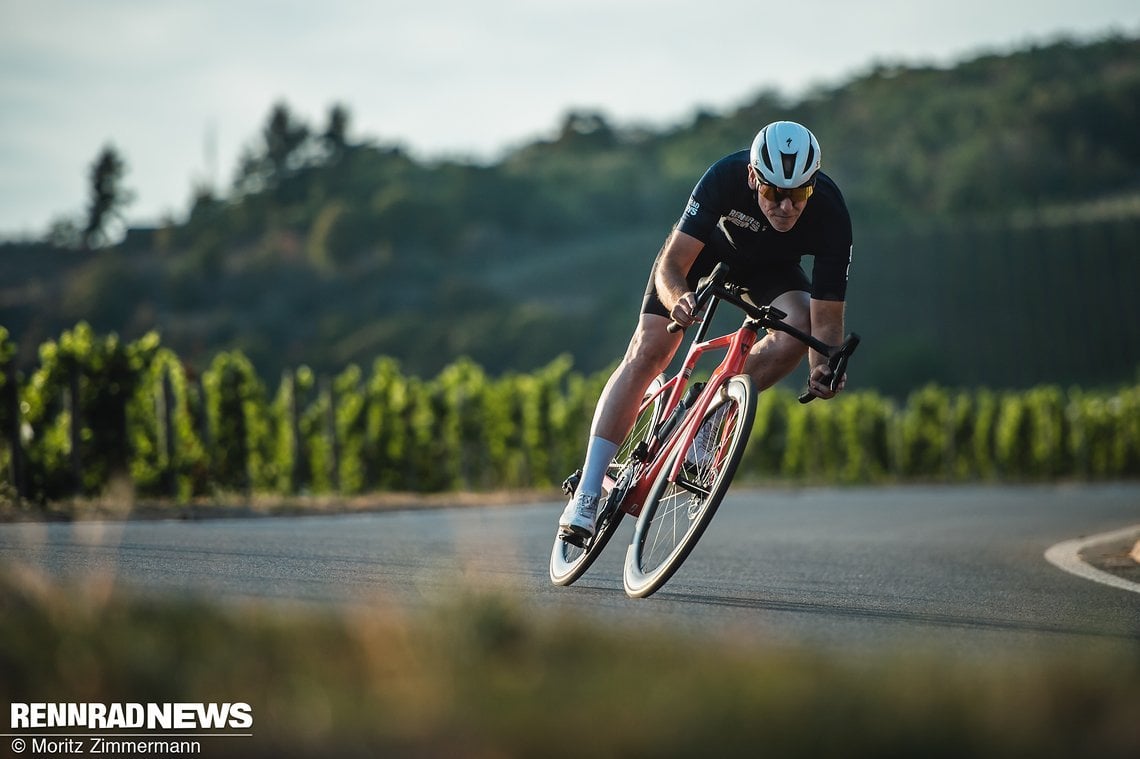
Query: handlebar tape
837	362
704	285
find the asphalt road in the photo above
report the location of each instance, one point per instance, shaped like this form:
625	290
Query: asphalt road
957	567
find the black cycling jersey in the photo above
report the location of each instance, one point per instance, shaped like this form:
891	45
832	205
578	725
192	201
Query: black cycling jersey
722	205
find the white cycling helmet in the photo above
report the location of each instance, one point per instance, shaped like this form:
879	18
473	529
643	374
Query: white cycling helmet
785	154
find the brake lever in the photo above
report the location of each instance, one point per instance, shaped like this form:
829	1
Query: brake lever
837	363
704	284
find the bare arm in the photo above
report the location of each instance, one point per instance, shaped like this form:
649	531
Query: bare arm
673	266
827	325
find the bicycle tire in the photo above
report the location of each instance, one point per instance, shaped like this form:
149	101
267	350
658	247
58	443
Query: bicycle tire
674	517
569	562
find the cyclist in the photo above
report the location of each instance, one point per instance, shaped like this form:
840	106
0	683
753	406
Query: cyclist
758	210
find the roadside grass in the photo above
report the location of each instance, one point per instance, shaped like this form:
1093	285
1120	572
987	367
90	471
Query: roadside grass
480	676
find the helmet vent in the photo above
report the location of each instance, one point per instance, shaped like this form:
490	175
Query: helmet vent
766	158
789	160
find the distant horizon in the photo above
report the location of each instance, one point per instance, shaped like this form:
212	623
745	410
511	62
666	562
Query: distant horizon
446	86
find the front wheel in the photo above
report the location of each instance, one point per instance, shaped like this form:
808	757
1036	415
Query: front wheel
569	562
676	513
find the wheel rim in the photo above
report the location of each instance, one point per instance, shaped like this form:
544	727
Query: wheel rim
679	510
567	561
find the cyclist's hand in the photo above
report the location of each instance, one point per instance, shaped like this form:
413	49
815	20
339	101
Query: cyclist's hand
819	382
685	312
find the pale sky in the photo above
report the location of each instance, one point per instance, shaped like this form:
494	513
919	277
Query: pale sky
181	87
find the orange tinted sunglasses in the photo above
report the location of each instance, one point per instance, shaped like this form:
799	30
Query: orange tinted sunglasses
774	194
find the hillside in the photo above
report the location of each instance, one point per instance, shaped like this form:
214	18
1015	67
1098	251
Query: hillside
995	208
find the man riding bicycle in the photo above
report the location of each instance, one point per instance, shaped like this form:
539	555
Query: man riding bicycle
777	176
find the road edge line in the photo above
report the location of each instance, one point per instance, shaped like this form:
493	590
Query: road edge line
1066	555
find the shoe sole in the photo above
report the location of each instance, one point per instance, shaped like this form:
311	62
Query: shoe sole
575	536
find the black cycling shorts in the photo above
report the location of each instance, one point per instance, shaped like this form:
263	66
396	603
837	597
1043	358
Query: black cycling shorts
765	280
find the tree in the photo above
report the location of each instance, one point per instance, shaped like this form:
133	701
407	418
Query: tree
335	138
65	231
585	127
284	139
108	196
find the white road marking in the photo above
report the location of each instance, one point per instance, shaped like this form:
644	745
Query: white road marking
1066	555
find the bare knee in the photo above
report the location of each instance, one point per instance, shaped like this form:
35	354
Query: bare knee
785	350
773	358
651	348
778	354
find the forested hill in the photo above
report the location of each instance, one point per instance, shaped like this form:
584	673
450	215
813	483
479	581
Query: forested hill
996	206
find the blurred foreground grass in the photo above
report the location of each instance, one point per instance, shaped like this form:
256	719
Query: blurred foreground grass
479	678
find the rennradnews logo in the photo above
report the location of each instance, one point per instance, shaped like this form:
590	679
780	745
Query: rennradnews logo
173	716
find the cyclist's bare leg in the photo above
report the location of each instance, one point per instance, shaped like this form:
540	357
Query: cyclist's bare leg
777	355
650	350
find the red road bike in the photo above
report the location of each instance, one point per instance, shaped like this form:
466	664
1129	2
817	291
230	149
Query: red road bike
677	462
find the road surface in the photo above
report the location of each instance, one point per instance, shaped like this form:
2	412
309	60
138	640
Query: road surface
847	569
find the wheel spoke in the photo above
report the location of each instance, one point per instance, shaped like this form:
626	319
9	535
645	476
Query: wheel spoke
568	562
677	512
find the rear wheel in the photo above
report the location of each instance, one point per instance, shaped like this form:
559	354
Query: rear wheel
568	562
676	513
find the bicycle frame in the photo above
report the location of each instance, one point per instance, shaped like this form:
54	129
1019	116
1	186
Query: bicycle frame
737	345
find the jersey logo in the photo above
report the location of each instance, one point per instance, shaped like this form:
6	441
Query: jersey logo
741	219
693	207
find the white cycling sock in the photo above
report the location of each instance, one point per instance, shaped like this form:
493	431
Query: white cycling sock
599	453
